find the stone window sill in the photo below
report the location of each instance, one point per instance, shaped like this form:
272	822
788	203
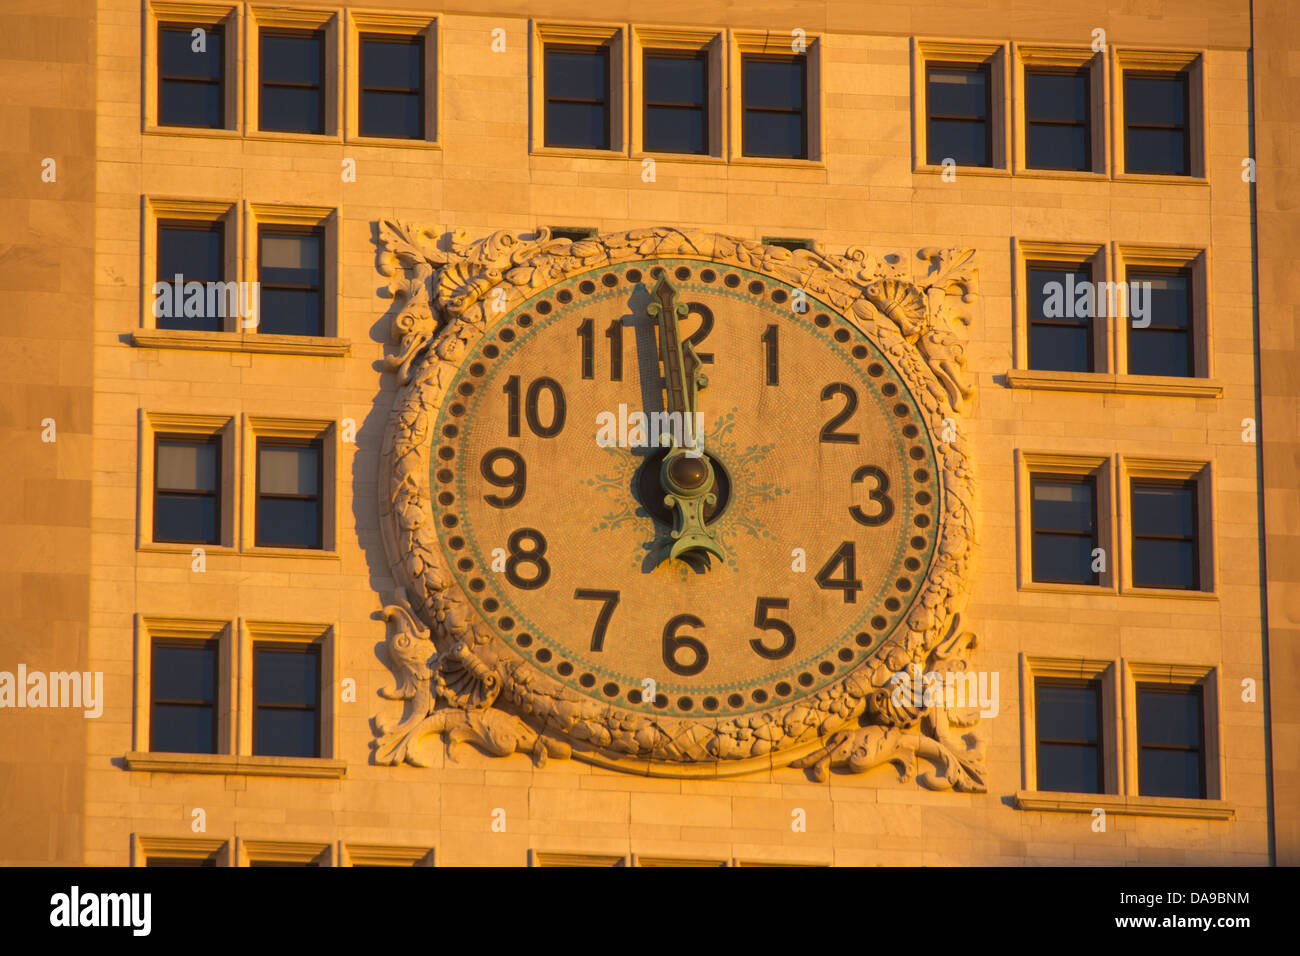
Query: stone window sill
1180	807
323	345
1108	383
318	767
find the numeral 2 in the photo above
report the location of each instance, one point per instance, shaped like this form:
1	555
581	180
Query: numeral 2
830	435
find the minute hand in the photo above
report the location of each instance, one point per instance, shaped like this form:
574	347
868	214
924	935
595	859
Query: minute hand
682	378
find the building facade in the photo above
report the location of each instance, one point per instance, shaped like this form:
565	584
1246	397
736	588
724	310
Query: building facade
1058	237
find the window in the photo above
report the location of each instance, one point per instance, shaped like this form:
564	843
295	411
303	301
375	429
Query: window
787	243
191	251
187	489
191	82
293	70
291	264
959	105
286	694
183	710
1069	754
209	860
774	93
573	233
676	101
1171	741
1166	549
1064	516
1156	112
1057	111
1160	342
288	494
1060	338
577	96
392	86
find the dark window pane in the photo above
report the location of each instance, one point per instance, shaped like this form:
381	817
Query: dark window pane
181	729
1159	151
1171	773
1057	96
577	74
179	57
1155	100
963	141
194	254
1164	510
285	733
1062	506
292	59
1168	305
580	125
1057	147
1067	713
291	109
1059	348
391	65
290	312
185	673
1057	295
183	103
1063	559
288	523
774	84
1153	352
287	677
675	79
185	519
1065	768
287	470
181	860
391	114
957	92
774	134
1164	564
1170	718
674	130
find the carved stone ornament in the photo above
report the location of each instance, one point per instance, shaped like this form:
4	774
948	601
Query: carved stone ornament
460	679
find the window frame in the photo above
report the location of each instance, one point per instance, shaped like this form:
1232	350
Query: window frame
1139	687
1083	72
1187	272
275	441
311	648
1185	74
1089	325
218	27
805	146
962	66
417	41
566	46
269	30
1198	544
702	55
217	225
210	643
295	229
1096	683
217	493
1064	478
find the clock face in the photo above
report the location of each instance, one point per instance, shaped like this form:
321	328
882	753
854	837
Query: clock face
549	491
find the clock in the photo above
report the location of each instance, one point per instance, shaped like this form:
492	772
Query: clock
676	512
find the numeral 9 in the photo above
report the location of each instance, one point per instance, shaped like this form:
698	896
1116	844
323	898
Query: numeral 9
517	480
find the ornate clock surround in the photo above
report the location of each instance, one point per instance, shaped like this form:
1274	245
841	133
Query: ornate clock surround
459	679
